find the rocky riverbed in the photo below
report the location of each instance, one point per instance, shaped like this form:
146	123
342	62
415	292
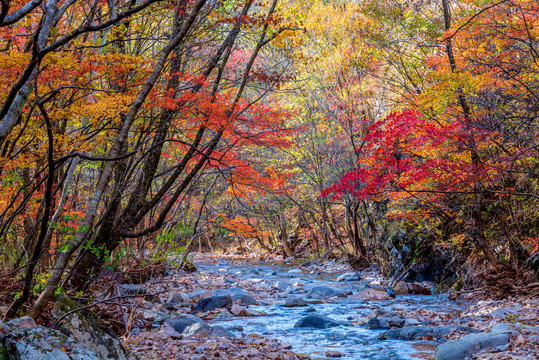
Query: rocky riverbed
277	309
236	308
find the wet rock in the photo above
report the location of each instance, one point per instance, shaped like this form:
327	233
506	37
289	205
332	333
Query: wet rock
238	310
355	276
236	328
41	343
294	301
391	318
371	295
83	326
181	321
238	294
417	332
469	345
214	302
411	322
319	322
405	288
321	292
135	290
282	285
334	354
251	312
376	324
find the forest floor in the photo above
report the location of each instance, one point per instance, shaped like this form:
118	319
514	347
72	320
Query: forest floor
150	339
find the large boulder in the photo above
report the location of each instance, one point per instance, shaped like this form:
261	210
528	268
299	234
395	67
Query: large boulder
41	343
238	294
469	345
417	332
319	322
214	302
83	326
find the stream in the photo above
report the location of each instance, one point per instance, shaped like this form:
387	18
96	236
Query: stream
353	342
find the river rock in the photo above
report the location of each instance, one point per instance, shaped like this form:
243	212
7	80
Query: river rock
392	318
319	322
370	294
41	343
469	345
321	292
238	310
281	285
294	301
334	354
83	326
189	325
238	294
405	288
204	328
353	276
214	302
416	332
182	321
376	324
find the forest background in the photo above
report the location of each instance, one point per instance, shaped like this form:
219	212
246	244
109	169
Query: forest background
401	133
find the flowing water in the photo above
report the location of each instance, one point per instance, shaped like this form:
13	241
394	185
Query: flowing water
354	342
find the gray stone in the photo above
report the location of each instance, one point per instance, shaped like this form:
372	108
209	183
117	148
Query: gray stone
182	321
25	322
282	285
83	326
208	329
214	302
189	324
294	301
319	322
198	294
321	292
41	343
469	345
416	332
354	276
238	294
376	324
